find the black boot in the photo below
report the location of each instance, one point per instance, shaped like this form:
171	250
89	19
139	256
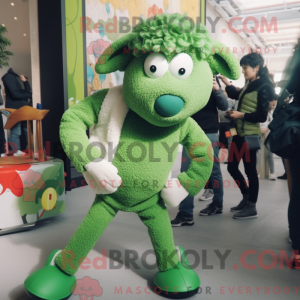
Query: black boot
242	204
284	176
248	212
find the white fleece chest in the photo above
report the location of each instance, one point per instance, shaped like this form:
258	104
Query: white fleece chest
110	120
108	129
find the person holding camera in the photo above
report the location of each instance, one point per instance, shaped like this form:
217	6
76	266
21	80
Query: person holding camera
18	92
253	106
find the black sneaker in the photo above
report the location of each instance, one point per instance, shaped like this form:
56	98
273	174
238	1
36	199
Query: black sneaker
284	176
182	220
242	204
210	209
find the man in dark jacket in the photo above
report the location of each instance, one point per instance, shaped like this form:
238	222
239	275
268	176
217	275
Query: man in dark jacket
207	118
18	91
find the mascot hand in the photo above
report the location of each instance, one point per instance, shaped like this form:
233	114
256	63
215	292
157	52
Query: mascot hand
105	175
173	193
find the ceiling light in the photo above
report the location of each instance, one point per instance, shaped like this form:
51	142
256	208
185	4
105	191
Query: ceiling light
3	25
24	34
15	18
12	4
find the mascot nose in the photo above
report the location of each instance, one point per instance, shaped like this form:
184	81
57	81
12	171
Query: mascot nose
168	105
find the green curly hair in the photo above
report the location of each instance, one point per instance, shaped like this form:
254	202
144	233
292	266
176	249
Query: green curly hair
174	32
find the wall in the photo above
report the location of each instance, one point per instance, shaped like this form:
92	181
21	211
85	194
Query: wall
104	13
74	48
21	61
278	64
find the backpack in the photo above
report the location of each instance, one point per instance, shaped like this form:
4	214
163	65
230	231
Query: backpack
284	136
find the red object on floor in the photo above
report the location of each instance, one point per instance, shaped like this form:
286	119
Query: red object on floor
10	179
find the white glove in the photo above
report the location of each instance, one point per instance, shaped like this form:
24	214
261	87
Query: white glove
102	177
173	193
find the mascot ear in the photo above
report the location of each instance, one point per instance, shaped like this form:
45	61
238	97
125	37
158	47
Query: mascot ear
223	62
115	57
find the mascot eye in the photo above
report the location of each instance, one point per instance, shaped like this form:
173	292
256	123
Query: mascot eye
153	69
181	66
25	181
156	65
181	71
82	288
91	288
33	181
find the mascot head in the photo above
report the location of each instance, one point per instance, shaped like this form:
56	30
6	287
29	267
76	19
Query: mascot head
169	66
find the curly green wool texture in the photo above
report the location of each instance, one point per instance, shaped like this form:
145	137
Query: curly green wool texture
155	218
171	33
141	144
158	136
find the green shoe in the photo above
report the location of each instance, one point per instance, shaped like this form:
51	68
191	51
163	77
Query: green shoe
178	282
50	283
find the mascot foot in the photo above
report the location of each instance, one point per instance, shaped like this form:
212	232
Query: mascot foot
178	282
50	283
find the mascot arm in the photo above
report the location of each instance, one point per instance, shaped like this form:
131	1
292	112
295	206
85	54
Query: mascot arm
74	124
199	149
173	192
191	182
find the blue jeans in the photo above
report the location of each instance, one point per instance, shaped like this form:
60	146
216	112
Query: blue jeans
15	134
271	161
187	205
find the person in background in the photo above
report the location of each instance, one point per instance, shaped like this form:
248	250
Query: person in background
253	106
18	92
264	129
294	166
223	140
285	175
289	177
224	129
207	118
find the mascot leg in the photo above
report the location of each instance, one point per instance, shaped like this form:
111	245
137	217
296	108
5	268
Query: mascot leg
56	280
175	279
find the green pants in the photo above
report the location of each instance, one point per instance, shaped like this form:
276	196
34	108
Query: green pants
156	218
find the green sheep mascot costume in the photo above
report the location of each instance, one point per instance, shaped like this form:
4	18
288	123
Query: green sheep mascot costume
136	130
